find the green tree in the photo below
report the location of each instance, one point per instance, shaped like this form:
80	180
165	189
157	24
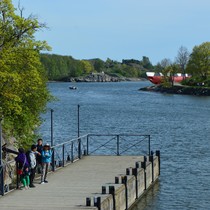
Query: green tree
23	91
169	73
199	61
146	63
98	65
87	66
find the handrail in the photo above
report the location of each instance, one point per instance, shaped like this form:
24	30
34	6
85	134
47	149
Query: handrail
118	138
66	142
92	144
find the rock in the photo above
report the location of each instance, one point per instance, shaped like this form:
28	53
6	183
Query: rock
184	90
96	77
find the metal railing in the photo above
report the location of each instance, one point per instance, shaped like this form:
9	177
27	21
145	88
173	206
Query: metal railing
118	144
68	151
90	144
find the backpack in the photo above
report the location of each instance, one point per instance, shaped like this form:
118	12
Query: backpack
28	157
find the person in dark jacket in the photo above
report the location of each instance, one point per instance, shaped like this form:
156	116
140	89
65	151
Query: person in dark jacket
39	156
23	168
33	163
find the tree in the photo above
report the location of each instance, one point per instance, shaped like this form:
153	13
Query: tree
166	62
170	71
87	66
23	91
182	58
199	61
98	65
146	63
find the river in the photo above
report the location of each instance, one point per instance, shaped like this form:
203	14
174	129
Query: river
179	126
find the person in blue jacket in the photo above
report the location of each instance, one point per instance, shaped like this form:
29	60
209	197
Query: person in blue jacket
46	160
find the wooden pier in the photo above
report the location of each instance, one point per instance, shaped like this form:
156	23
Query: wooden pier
104	172
70	187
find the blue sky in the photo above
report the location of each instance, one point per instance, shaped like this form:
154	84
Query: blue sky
121	29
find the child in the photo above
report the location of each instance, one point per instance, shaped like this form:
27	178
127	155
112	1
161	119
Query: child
23	168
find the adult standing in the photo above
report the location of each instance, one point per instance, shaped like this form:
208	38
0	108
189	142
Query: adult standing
23	168
33	163
46	160
39	156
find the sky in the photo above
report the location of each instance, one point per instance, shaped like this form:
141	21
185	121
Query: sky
121	29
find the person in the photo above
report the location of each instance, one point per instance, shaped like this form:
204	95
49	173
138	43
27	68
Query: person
32	162
46	160
23	168
39	156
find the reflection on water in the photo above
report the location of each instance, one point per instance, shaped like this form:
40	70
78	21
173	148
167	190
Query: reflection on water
148	199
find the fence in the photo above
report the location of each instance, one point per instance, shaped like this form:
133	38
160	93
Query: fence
90	144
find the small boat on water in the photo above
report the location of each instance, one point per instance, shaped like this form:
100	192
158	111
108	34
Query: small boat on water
72	88
157	78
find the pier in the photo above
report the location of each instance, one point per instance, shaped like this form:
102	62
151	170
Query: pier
91	181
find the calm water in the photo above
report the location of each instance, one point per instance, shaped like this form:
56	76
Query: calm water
179	127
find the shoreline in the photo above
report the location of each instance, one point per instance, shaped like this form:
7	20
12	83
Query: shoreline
178	89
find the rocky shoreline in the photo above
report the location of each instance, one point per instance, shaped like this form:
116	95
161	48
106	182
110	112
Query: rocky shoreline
102	77
183	90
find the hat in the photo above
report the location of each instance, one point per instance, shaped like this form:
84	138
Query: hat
47	145
33	146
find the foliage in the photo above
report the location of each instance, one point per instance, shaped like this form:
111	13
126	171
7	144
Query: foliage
146	63
23	91
199	61
64	67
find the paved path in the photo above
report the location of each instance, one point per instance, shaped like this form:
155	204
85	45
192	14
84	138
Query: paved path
69	187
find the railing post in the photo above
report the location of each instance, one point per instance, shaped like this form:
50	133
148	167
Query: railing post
118	145
52	141
1	163
78	121
79	148
72	152
63	154
78	132
88	144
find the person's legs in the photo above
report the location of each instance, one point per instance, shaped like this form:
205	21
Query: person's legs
44	166
39	168
27	180
32	175
23	180
46	171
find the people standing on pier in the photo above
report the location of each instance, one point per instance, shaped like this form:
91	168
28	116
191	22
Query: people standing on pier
46	160
23	168
39	156
33	163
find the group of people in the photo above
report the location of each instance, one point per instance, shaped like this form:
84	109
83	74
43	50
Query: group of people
38	159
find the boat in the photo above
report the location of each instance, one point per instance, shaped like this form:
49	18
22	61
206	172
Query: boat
157	78
72	88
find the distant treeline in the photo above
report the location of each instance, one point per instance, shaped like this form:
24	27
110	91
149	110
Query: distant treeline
62	68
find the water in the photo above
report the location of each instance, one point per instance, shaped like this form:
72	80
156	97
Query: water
179	127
